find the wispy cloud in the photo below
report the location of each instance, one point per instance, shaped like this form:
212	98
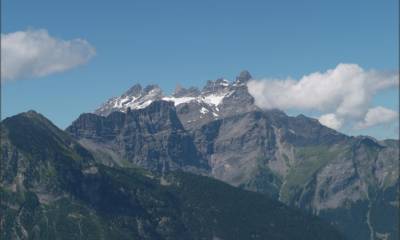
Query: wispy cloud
343	94
34	53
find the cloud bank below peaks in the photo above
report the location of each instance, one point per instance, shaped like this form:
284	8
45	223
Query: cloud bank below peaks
343	95
34	53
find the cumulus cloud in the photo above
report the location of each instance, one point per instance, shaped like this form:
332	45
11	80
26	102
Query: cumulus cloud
330	120
342	94
377	115
34	53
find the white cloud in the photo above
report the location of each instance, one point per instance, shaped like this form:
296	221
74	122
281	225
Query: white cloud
331	120
342	94
377	115
34	53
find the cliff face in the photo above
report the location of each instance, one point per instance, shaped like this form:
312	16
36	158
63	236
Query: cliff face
152	138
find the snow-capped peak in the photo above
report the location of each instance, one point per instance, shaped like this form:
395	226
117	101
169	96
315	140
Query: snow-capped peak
208	101
135	98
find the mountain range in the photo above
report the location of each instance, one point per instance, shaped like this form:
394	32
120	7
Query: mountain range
144	151
53	188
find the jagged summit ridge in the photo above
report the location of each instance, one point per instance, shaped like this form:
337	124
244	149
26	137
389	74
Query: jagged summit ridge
135	98
218	98
190	92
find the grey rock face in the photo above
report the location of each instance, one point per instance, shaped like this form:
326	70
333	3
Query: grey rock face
216	85
304	164
219	99
135	91
152	138
186	92
243	77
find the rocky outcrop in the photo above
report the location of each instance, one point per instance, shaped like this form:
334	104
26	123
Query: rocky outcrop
153	138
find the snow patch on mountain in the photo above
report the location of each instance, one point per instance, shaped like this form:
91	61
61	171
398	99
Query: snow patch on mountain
215	99
122	103
179	100
204	110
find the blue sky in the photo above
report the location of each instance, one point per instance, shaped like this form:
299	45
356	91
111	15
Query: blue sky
189	42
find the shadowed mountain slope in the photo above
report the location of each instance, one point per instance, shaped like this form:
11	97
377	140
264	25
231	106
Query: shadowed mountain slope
53	188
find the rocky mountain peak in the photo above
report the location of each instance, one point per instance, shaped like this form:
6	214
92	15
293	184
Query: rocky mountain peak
186	92
135	90
152	89
243	77
216	85
135	98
